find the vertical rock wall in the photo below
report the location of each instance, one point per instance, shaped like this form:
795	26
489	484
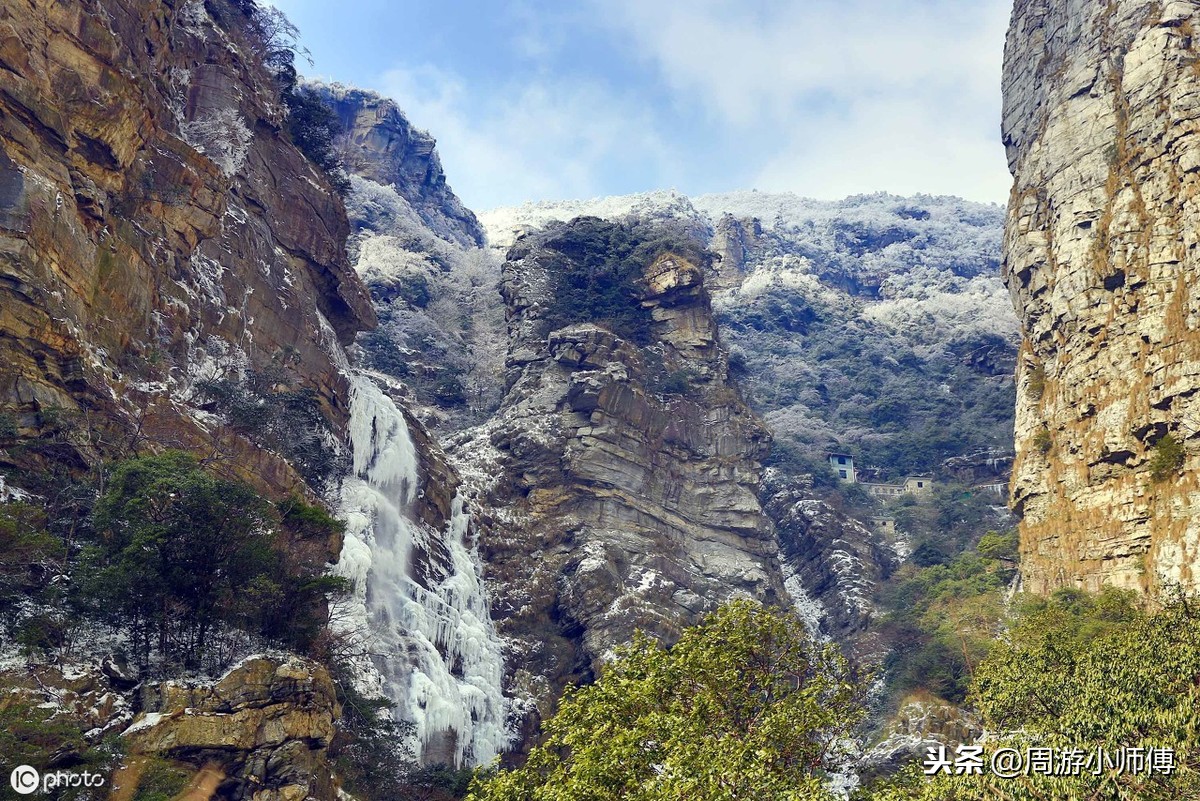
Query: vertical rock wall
1101	121
610	501
157	226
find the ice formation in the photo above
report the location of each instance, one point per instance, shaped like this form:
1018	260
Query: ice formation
433	649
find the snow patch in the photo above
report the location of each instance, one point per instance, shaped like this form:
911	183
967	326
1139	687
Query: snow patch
221	135
9	494
148	721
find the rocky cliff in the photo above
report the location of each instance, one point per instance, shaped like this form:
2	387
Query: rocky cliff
378	143
1100	122
166	250
260	732
877	324
835	564
611	499
158	230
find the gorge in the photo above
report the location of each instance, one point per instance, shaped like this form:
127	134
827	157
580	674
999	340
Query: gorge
488	450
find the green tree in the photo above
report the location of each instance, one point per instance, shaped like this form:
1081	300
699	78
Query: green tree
1167	459
177	545
371	748
595	278
180	552
313	127
744	706
942	618
1090	673
30	560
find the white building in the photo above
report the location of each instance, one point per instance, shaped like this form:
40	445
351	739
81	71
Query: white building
843	465
918	485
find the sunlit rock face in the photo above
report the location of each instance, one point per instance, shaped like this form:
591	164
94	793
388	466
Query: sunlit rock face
1100	121
263	728
157	228
609	501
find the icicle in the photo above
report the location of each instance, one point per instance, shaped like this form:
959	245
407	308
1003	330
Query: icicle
434	651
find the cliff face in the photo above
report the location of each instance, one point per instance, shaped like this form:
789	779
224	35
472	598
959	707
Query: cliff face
260	732
835	563
1102	102
608	502
379	144
159	234
878	324
156	229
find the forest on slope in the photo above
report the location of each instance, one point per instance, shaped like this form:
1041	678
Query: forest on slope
342	456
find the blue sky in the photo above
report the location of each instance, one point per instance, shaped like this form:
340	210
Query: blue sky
537	100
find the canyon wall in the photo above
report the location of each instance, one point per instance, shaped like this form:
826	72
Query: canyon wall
610	498
1101	121
167	253
157	230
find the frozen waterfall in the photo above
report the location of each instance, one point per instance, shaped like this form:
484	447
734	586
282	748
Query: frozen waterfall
433	649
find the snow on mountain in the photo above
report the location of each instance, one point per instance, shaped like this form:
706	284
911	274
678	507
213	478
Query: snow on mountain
860	322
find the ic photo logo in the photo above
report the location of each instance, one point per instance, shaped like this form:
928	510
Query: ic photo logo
27	780
24	779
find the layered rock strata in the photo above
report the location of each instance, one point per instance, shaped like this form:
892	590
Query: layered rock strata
836	561
156	228
260	732
1102	126
609	503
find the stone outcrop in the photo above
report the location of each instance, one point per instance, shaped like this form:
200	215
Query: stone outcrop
380	144
731	240
921	722
1102	126
837	561
264	727
156	227
609	501
259	733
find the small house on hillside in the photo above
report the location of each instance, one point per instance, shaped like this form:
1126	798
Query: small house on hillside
918	485
880	490
913	485
884	525
843	465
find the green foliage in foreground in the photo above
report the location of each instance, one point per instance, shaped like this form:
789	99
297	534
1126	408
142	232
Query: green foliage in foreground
183	555
744	706
942	619
1085	672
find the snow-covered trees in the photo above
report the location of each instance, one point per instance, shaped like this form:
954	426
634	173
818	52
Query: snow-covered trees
181	557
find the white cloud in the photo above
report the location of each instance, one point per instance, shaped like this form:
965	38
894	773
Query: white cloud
543	139
865	94
821	97
908	146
